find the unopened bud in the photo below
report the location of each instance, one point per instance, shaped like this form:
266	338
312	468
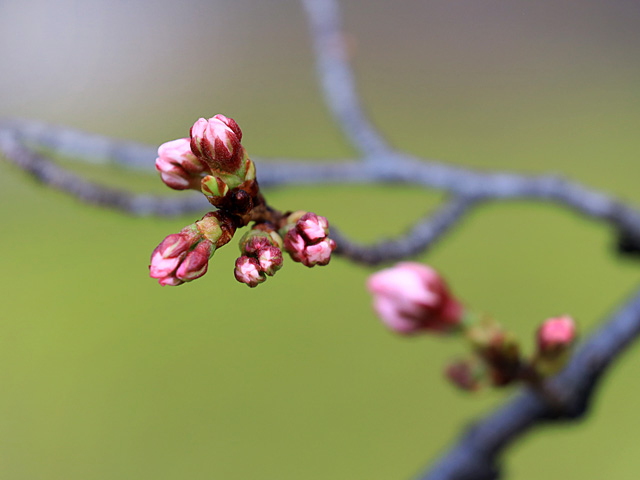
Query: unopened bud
196	261
556	334
306	240
270	260
179	168
555	338
466	374
214	186
248	271
167	257
411	298
217	142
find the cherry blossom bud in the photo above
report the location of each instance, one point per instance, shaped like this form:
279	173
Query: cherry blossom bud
313	227
179	168
196	261
248	271
270	260
411	297
167	256
306	240
556	334
217	142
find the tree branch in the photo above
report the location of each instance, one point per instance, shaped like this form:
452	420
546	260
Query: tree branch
417	240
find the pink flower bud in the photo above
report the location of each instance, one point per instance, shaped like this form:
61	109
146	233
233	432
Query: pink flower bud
196	261
167	256
307	241
248	271
411	297
556	334
270	260
318	253
179	168
216	141
181	257
313	227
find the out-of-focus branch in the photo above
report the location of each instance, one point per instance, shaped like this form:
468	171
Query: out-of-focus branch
51	174
476	455
418	239
337	79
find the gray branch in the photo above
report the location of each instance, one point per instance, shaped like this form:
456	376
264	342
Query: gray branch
337	79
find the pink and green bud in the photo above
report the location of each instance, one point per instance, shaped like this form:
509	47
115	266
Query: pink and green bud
214	186
555	337
556	334
248	271
411	298
216	141
270	260
179	168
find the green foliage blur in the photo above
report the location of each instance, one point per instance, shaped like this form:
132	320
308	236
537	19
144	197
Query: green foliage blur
106	375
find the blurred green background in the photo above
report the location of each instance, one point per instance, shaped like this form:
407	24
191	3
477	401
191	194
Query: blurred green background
106	375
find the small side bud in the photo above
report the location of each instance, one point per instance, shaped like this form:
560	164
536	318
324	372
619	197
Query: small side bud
467	374
499	349
555	337
556	334
411	298
216	227
214	186
248	271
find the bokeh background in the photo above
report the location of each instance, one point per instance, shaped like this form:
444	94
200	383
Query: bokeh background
106	375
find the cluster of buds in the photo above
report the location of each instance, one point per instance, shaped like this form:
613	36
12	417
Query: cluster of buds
306	238
214	161
411	298
182	257
261	256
